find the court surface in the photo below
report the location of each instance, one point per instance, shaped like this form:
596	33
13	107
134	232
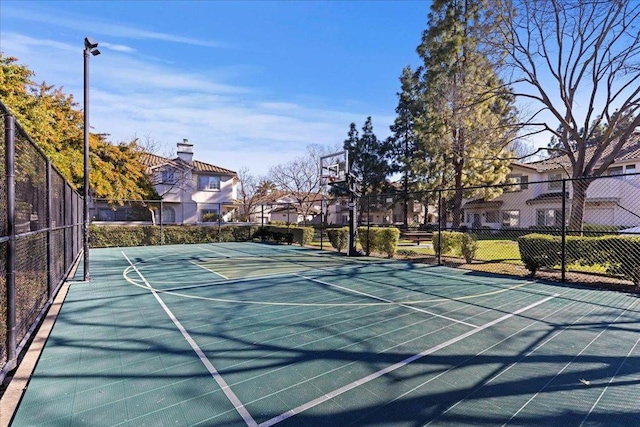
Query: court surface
235	334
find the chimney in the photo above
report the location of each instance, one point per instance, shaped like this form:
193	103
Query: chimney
185	151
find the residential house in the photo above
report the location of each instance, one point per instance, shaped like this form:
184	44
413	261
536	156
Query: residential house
190	189
611	200
286	207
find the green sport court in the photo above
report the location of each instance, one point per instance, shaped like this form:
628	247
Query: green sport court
250	334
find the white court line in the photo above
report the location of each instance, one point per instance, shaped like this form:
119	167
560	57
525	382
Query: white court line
609	383
246	416
396	366
215	252
208	269
410	307
568	364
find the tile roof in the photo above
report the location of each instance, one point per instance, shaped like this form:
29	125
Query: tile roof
630	150
547	197
482	203
152	161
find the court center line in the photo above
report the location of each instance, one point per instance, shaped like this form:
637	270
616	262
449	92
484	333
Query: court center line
410	307
246	416
398	365
210	270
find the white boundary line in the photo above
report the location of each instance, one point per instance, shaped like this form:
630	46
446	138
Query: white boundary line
388	301
246	416
210	270
396	366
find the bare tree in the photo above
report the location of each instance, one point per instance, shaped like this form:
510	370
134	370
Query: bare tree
300	178
578	60
248	193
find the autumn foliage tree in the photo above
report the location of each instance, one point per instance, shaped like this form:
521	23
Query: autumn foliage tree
52	119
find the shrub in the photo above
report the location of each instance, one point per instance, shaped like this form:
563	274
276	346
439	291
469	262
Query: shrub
368	238
621	255
379	239
211	217
444	242
406	252
388	242
468	247
338	237
539	250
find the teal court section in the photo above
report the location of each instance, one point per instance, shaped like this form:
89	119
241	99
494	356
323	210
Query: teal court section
236	334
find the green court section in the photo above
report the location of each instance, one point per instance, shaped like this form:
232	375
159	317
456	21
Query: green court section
250	334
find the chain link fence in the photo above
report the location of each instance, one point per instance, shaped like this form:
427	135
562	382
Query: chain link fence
587	228
40	237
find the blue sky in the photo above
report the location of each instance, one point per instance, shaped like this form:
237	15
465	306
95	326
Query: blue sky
250	84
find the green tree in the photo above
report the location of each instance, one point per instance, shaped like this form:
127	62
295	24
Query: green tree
367	157
54	122
468	118
403	142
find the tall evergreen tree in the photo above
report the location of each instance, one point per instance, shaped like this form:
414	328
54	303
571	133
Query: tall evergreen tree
469	117
402	143
367	158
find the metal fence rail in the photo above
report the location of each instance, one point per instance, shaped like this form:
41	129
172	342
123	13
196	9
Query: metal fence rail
606	243
40	237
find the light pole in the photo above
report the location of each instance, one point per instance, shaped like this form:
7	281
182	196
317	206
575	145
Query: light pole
90	47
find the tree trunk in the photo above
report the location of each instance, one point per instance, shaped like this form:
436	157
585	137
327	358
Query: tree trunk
457	196
578	205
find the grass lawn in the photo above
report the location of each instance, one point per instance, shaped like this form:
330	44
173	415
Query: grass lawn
488	251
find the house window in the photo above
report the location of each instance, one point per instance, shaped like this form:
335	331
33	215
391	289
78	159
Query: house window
630	169
521	181
168	177
549	217
206	182
556	183
615	170
491	216
511	218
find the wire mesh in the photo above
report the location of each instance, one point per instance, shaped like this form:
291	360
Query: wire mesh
46	239
3	305
30	181
31	280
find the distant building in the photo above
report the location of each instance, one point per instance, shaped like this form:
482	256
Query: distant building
192	191
613	200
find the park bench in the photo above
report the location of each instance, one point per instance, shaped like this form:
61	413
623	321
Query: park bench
418	236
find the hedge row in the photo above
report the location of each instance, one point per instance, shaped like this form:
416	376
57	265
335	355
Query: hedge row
300	235
375	239
620	255
338	237
458	243
382	240
149	235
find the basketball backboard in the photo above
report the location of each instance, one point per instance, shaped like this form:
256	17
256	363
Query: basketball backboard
334	168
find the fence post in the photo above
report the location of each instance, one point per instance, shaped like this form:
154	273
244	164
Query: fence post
438	251
10	151
563	248
161	224
321	222
262	222
50	275
219	221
